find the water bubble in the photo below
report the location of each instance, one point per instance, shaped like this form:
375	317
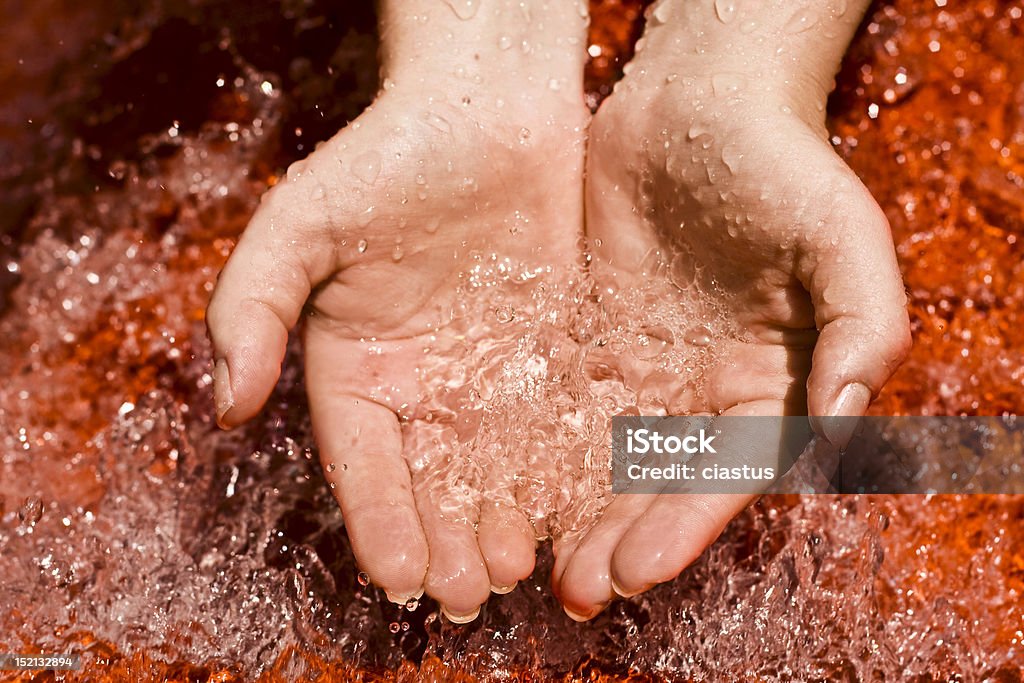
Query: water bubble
363	244
464	9
331	467
505	314
412	604
699	335
363	578
394	627
725	10
366	167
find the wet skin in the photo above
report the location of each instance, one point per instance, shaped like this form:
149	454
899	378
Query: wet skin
371	236
719	164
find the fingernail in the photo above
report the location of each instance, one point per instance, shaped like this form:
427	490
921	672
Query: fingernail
621	592
400	599
838	426
502	590
460	618
223	399
577	616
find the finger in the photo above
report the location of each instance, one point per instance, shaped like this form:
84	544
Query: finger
258	299
506	537
582	577
860	307
677	527
361	449
444	487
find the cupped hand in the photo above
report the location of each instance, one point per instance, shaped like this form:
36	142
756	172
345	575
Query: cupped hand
721	194
382	240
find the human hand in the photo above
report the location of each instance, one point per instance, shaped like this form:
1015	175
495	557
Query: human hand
454	180
711	183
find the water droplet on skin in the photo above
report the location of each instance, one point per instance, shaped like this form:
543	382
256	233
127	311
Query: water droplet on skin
464	9
363	578
412	604
331	467
839	8
699	335
748	26
732	156
438	122
661	14
683	271
695	131
366	167
801	21
727	83
397	253
296	170
504	43
671	78
524	135
365	218
363	244
318	192
725	10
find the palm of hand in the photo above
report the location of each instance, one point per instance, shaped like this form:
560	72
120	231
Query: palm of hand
745	222
413	234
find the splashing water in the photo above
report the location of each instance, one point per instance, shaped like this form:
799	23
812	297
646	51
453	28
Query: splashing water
135	532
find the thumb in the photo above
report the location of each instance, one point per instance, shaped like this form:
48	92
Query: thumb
258	299
860	308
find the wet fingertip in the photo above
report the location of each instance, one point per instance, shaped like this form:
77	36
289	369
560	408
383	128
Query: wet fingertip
460	618
577	617
402	598
622	592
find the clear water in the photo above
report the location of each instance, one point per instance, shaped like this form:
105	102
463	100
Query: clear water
130	524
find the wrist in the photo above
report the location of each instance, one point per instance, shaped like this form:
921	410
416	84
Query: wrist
523	49
784	48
